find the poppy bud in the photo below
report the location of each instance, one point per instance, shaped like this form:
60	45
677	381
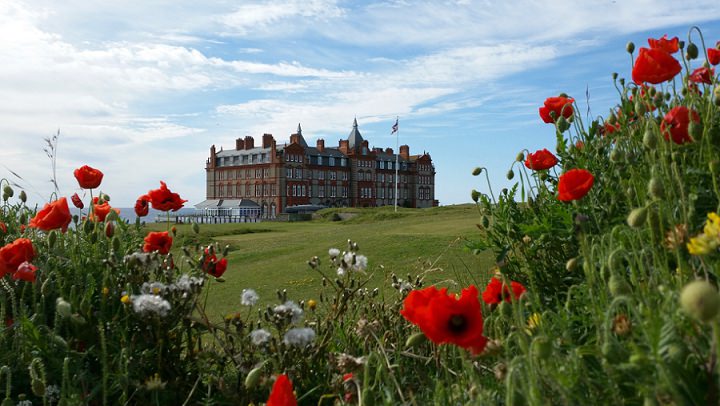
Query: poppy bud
618	286
543	176
62	307
88	226
700	299
656	189
510	174
477	171
692	51
614	75
562	124
38	387
520	157
52	238
109	230
196	228
616	155
173	230
485	221
649	139
475	195
640	108
76	201
23	218
622	81
8	191
22	196
116	244
253	377
630	47
540	348
415	340
637	217
714	166
681	44
613	352
572	264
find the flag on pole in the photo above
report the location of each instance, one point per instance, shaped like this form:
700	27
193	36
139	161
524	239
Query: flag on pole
395	127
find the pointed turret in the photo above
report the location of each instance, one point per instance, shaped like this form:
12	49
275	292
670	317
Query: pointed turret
355	140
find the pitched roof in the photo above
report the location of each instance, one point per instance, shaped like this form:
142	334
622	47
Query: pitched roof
355	139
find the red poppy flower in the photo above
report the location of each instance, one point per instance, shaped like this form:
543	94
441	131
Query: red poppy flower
574	184
25	272
87	177
702	75
579	145
608	128
282	392
3	227
158	241
713	55
540	160
668	45
495	291
100	211
675	124
54	215
142	206
164	200
347	377
562	106
654	66
14	254
445	319
213	266
76	201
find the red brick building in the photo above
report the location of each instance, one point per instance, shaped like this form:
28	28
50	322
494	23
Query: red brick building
295	174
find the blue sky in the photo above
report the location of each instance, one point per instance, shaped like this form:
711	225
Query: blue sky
140	88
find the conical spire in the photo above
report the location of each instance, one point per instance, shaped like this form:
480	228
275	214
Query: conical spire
355	140
299	130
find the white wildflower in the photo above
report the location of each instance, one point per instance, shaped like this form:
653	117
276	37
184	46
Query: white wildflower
154	288
340	272
259	336
24	403
187	283
360	263
290	309
299	337
52	393
333	252
348	258
405	287
149	305
249	297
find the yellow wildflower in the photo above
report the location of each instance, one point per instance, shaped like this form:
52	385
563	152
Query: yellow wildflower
709	240
125	299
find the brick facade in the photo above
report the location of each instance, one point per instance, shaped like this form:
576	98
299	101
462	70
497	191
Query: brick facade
351	175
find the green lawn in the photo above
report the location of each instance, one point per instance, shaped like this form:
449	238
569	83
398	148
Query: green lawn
273	255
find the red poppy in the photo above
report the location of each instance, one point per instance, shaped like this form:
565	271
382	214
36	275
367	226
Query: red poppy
668	45
540	160
561	106
282	392
142	206
675	124
25	272
574	184
100	211
14	254
158	241
347	377
579	145
654	66
213	266
495	291
713	55
76	201
3	227
164	200
445	319
608	128
87	177
54	215
702	75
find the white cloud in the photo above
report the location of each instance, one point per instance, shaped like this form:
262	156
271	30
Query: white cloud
271	17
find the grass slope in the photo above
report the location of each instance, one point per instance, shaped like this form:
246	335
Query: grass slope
273	255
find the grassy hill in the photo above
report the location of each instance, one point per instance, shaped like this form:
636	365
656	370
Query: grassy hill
273	255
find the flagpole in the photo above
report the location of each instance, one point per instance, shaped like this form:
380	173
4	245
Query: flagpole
397	159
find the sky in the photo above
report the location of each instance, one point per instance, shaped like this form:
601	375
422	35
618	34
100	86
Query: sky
141	89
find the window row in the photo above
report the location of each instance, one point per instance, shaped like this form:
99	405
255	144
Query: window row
242	160
240	191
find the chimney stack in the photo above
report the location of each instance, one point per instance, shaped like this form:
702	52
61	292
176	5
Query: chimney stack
249	142
405	152
239	144
343	146
267	140
389	151
321	145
